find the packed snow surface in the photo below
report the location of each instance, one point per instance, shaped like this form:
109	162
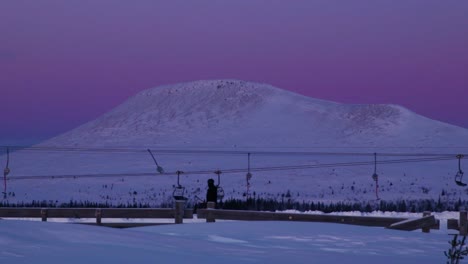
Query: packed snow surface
223	242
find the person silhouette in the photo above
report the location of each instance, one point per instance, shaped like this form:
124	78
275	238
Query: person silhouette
212	192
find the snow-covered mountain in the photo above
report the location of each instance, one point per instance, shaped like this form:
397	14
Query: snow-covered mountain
231	113
199	127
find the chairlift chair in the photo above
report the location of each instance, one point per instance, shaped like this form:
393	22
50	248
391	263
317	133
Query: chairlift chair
220	190
179	190
459	175
459	178
158	168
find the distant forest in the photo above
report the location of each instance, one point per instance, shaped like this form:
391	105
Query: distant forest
260	204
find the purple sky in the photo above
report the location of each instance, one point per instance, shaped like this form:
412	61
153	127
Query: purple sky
63	63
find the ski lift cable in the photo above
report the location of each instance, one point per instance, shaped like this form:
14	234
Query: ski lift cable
171	151
227	171
141	148
349	164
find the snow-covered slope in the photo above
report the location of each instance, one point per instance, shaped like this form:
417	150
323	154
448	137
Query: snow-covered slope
235	113
210	125
228	242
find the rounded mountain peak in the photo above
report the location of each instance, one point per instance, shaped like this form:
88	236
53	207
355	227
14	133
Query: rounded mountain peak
233	112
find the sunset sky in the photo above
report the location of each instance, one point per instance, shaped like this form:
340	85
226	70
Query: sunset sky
63	63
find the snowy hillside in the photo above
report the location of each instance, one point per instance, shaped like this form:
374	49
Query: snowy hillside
203	126
235	113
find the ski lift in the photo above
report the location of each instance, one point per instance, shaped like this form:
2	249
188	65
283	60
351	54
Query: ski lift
179	190
375	177
248	176
158	168
459	175
6	171
220	190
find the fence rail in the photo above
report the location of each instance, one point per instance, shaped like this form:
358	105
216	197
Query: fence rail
425	223
270	216
178	213
91	212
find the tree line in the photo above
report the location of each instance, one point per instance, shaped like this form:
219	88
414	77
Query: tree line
262	204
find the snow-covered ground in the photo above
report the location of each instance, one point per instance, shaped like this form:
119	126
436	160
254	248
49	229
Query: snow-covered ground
220	242
65	241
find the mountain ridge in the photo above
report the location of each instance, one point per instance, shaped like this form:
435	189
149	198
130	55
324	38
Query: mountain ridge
204	104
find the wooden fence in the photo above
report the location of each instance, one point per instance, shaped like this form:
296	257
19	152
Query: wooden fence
425	223
460	224
178	213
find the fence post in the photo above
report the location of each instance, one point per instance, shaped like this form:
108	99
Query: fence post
98	216
209	216
44	214
452	223
463	224
179	211
426	229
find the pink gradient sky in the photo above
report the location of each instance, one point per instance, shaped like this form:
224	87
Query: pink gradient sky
63	63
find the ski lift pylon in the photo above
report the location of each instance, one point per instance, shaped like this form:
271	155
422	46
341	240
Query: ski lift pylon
248	176
459	175
6	171
375	177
